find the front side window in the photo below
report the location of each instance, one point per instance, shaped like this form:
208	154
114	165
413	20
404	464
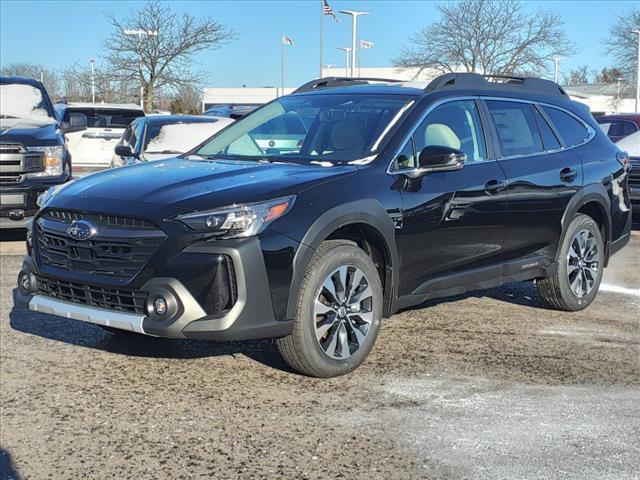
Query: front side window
516	128
317	127
453	124
572	131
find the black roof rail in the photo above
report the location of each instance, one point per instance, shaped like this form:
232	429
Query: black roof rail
332	82
492	82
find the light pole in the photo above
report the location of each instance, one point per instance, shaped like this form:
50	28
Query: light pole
93	81
637	72
346	59
354	33
140	34
556	60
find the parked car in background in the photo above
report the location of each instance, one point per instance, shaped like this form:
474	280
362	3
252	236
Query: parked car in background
231	111
631	145
397	194
92	149
620	125
33	154
162	136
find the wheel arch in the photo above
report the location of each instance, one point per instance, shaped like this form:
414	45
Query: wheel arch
365	222
594	202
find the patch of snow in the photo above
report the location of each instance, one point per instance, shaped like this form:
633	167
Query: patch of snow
23	101
181	137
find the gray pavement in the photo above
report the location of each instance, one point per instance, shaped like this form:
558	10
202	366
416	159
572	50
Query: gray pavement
487	385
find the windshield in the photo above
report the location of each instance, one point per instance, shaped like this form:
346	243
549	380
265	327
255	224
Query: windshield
106	118
334	128
179	137
18	100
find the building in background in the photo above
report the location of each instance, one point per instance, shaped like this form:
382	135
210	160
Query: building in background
214	96
602	98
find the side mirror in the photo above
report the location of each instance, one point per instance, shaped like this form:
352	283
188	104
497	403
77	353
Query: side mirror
437	158
123	151
77	122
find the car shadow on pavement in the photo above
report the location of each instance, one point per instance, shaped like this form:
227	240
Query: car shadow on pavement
7	470
87	335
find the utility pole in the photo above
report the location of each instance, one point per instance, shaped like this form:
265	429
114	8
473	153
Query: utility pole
93	82
556	60
637	72
346	59
354	33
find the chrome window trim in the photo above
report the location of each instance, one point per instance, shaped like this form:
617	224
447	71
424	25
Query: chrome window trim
591	133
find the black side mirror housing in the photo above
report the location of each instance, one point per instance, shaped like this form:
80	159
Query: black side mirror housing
123	151
437	158
77	122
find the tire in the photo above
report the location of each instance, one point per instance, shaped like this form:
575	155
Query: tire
324	341
564	290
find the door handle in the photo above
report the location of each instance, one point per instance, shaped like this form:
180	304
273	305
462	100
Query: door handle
494	186
568	175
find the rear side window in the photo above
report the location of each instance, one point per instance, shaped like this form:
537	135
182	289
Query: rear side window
571	130
549	139
516	128
618	128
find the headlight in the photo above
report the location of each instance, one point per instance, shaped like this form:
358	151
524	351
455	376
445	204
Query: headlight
52	161
43	198
238	221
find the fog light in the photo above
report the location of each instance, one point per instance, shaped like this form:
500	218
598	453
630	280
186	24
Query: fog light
24	282
159	306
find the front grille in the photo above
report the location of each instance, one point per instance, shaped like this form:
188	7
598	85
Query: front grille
11	148
121	247
131	301
10	177
98	219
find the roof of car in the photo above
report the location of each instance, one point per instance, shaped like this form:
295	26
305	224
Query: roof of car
167	119
21	80
110	106
635	117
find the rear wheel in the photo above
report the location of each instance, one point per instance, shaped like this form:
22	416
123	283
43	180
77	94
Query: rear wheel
580	265
338	312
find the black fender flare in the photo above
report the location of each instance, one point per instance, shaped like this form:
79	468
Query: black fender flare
366	211
590	193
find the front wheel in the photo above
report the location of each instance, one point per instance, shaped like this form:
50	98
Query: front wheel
338	312
580	266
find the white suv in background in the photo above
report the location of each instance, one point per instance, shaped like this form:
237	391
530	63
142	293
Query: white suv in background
92	149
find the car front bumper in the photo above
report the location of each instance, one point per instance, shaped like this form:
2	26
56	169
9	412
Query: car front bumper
251	316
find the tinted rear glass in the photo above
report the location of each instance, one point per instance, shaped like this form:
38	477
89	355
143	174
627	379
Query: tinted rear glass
105	118
571	130
516	128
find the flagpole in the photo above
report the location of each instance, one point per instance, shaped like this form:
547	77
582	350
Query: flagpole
281	65
321	33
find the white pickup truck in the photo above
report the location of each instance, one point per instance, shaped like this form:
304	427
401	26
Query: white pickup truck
92	149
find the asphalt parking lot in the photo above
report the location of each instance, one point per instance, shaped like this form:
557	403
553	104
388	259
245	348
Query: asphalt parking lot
487	385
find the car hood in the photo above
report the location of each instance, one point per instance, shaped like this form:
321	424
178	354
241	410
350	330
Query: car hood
28	132
180	185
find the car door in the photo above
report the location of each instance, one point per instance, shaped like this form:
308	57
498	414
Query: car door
452	221
543	178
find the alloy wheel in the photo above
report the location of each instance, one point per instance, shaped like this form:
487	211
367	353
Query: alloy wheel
343	312
583	267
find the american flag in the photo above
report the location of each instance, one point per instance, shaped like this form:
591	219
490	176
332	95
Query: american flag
286	40
329	11
366	44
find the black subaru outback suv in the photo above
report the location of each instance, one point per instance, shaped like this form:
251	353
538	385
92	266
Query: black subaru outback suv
395	194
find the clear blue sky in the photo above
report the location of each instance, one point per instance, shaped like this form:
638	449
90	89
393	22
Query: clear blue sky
59	33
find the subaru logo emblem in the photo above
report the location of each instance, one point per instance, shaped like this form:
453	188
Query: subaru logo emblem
81	230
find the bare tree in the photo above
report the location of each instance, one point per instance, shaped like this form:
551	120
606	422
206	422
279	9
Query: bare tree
608	75
187	99
161	55
577	76
622	45
49	78
491	37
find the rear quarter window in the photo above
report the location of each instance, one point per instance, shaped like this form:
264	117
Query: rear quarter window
572	131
